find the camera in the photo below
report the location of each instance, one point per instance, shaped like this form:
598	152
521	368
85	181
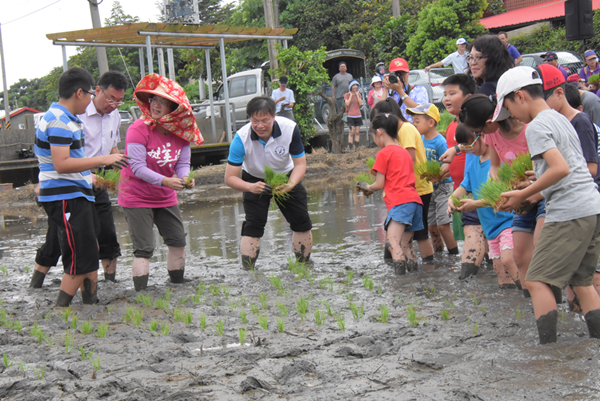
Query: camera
394	78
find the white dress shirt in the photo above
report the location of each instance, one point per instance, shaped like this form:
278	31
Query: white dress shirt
101	132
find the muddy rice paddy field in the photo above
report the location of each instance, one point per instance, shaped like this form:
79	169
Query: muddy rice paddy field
343	328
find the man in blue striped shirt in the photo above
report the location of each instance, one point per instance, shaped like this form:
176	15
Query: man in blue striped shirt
66	184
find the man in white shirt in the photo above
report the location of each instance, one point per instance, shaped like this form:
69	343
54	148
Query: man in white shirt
284	99
458	59
101	123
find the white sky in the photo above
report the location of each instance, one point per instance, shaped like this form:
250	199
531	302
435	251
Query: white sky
28	53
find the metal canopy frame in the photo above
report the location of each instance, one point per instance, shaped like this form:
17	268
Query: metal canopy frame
171	36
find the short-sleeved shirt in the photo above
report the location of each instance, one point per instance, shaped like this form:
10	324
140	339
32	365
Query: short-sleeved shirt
564	71
289	98
340	84
253	154
418	94
588	137
459	63
353	109
59	127
513	51
585	72
507	149
435	148
409	138
101	131
575	195
493	223
162	154
395	163
457	167
591	106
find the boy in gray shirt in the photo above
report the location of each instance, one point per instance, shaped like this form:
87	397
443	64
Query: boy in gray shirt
569	244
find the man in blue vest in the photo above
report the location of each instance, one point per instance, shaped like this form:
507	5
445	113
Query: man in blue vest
275	142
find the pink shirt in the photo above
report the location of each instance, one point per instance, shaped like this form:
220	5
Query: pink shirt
163	153
507	149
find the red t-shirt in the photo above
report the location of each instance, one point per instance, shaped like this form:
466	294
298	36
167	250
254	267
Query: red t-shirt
395	163
457	167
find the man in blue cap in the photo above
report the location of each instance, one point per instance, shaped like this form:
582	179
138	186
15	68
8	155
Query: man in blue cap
552	59
458	59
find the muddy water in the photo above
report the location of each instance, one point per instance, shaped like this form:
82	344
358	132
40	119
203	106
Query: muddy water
485	349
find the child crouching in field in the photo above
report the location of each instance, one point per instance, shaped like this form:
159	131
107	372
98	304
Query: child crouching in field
395	175
496	225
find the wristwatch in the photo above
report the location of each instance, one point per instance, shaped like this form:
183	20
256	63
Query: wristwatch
404	97
457	148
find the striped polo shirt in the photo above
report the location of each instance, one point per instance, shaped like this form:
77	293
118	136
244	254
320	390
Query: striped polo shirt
59	127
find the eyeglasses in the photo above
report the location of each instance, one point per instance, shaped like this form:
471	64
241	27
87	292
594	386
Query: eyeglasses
469	148
547	96
475	59
260	123
91	93
112	102
159	101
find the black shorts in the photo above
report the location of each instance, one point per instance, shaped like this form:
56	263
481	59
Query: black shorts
77	230
256	207
470	218
354	122
424	233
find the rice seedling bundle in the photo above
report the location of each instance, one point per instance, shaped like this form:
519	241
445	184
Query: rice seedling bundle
108	179
191	176
430	170
275	180
520	165
456	201
491	193
506	174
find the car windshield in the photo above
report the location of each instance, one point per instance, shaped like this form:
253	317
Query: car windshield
566	58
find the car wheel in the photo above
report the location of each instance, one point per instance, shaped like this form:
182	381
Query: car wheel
326	112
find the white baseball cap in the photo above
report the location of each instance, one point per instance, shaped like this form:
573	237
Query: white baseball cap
461	41
512	80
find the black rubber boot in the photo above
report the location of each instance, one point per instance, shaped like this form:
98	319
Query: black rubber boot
467	270
453	251
557	294
140	283
592	319
399	268
387	253
301	258
37	280
412	266
63	299
248	262
176	276
89	293
428	259
546	325
526	293
110	277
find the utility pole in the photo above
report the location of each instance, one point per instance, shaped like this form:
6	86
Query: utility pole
100	51
270	22
396	8
6	105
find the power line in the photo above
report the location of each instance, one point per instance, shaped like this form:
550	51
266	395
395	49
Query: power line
33	12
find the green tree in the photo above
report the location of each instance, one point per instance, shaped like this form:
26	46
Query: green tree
118	16
305	74
439	25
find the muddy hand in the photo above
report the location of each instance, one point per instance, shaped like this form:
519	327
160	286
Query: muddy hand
124	162
363	186
267	190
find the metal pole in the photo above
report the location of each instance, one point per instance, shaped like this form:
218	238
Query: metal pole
149	54
213	35
6	102
196	13
285	45
100	51
396	8
225	88
210	96
171	64
129	45
161	62
64	54
142	63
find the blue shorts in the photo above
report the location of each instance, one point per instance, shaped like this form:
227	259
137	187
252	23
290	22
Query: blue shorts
526	223
410	214
470	218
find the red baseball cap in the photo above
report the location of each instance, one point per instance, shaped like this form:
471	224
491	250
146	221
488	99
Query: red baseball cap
574	78
551	77
399	64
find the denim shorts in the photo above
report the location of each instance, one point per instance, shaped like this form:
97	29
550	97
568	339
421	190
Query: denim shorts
526	223
410	214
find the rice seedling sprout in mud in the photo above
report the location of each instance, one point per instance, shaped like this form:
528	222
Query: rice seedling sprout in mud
74	322
562	314
147	300
66	313
201	288
178	315
47	315
491	193
302	307
219	327
202	320
349	277
214	290
137	317
475	327
263	297
96	366
518	313
128	315
7	362
191	176
411	314
187	319
243	316
17	326
184	301
83	355
138	299
108	179
215	304
164	329
430	292
3	268
233	305
327	307
40	372
276	282
23	368
68	341
320	317
445	314
27	269
275	180
385	311
341	321
153	326
242	332
195	299
242	301
483	308
168	294
226	292
87	327
430	170
473	298
356	311
283	310
280	324
160	303
254	308
102	329
263	321
110	308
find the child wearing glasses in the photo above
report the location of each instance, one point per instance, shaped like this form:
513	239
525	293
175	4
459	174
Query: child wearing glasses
496	225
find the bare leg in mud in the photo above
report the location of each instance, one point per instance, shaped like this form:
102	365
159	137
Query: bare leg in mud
110	269
302	245
504	279
250	249
399	241
70	283
506	256
436	239
425	249
176	264
523	252
473	251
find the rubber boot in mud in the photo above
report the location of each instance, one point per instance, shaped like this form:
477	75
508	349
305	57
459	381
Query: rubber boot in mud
453	251
37	280
63	299
468	270
546	325
387	253
399	268
558	294
176	276
140	283
110	277
249	262
592	319
89	295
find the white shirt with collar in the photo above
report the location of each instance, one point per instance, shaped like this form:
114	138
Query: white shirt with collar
101	132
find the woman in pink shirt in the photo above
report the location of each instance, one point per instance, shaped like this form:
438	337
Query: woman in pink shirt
159	146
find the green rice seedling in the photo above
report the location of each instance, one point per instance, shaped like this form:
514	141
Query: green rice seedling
292	263
341	321
520	165
263	322
214	290
47	315
68	341
203	321
153	326
349	277
17	326
263	297
450	304
168	294
483	308
275	180
22	367
349	296
518	313
108	179
243	316
87	327
398	300
364	177
226	292
195	299
74	322
302	307
27	269
366	279
506	174
457	201
83	355
191	176
242	332
215	304
40	372
242	301
385	311
254	308
320	317
276	282
128	315
164	329
370	162
66	313
280	324
412	317
454	296
357	312
147	300
491	193
328	308
233	305
187	319
110	308
96	366
500	313
562	314
178	314
430	170
283	310
445	119
3	316
161	303
102	329
475	327
430	292
445	314
323	283
219	327
473	298
379	290
469	319
3	269
201	288
137	317
7	362
138	299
